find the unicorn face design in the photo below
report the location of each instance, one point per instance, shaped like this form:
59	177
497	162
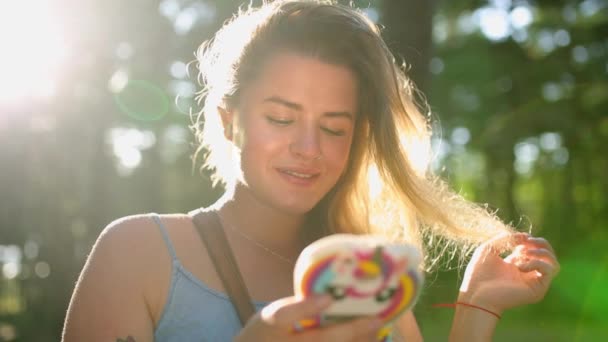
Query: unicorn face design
362	283
364	276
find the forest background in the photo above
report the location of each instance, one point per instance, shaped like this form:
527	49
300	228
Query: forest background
95	99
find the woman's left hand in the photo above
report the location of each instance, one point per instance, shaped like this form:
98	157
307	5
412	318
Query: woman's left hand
523	277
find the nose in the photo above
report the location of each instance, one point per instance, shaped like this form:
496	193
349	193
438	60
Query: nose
306	144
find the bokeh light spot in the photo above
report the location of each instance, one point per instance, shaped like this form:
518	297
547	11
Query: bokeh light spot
494	23
185	20
30	249
42	269
461	136
545	41
436	65
178	69
127	144
169	8
520	17
118	81
550	141
526	154
580	54
561	37
10	270
7	332
552	91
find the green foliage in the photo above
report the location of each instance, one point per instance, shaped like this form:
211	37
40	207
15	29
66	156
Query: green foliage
534	103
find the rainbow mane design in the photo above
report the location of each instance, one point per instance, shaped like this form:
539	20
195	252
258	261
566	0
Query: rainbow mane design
364	275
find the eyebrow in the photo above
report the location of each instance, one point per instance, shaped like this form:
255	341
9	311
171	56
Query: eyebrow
298	107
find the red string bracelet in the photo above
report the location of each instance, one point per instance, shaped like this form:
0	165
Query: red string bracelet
453	305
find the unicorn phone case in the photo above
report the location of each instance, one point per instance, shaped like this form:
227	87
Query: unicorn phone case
365	275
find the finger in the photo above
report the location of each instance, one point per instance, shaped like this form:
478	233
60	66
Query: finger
359	329
542	253
287	311
541	242
538	242
541	266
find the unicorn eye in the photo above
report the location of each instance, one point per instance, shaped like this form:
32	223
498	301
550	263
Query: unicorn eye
385	294
336	292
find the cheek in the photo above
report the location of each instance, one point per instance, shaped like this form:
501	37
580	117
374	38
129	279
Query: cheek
259	143
337	153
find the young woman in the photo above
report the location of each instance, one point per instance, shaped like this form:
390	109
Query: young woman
304	110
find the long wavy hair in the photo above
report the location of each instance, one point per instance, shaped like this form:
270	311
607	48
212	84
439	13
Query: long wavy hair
388	187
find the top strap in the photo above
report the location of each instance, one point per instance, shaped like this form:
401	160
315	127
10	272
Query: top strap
163	230
211	233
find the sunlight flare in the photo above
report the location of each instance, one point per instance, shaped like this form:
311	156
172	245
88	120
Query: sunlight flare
33	50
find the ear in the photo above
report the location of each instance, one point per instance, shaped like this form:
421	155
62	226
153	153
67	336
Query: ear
227	119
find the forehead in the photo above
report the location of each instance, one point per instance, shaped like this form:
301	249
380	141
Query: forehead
308	81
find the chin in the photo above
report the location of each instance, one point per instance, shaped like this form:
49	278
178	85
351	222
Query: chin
296	209
296	206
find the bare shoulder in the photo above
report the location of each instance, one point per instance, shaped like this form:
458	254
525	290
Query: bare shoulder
127	243
133	228
140	237
121	282
123	243
123	231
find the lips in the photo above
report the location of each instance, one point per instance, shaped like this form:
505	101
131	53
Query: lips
299	176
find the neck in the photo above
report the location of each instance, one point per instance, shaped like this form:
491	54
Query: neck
275	229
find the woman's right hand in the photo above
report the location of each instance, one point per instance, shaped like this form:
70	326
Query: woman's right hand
275	322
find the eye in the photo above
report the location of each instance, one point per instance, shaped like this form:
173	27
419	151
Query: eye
337	133
385	294
280	122
336	292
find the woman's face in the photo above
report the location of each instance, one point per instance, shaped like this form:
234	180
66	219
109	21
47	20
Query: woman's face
294	126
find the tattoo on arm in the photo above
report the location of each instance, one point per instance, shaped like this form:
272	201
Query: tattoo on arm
128	339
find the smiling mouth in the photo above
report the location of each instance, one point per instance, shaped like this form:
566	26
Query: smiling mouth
300	177
298	174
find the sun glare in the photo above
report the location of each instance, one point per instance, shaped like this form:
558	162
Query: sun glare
33	50
418	152
374	182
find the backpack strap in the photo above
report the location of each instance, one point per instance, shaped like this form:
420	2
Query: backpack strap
210	230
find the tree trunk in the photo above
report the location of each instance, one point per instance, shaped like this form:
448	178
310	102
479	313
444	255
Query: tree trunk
408	34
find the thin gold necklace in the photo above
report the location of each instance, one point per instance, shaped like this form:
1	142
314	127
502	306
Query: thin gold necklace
255	242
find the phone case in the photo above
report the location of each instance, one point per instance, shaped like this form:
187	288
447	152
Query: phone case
365	275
